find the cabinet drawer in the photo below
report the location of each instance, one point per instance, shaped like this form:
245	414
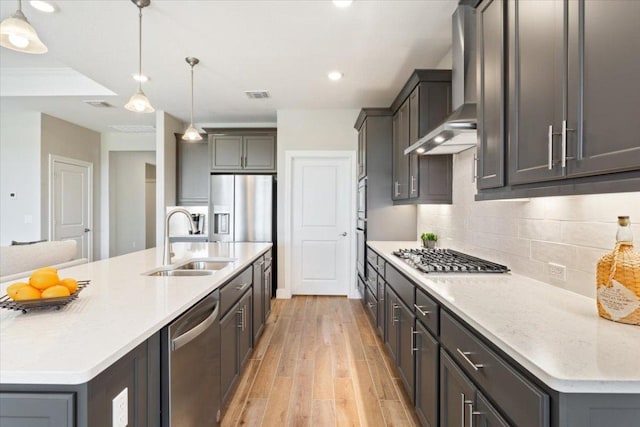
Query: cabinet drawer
381	264
372	277
524	403
361	288
371	305
403	287
232	291
427	310
372	258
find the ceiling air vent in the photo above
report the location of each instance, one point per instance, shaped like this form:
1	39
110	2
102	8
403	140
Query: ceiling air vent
133	128
257	94
98	103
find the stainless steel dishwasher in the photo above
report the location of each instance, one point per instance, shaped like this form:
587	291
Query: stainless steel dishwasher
191	367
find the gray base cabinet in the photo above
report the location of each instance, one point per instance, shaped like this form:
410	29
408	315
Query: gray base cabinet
258	298
268	284
456	394
37	409
427	375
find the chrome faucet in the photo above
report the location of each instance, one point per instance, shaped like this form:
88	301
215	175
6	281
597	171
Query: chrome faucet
166	260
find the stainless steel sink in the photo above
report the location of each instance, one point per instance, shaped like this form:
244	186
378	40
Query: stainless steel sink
203	265
178	272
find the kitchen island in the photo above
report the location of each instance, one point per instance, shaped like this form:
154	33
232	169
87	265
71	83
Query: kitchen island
117	316
541	342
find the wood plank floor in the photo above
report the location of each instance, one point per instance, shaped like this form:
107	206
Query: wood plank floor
319	363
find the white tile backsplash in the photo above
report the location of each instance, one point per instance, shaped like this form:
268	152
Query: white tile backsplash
574	231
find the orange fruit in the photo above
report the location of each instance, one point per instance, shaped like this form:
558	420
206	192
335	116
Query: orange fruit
42	279
69	283
55	291
27	292
55	270
12	289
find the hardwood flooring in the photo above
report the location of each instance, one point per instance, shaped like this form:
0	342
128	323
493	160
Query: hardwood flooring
319	363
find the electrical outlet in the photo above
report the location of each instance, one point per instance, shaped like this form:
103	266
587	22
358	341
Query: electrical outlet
557	271
120	408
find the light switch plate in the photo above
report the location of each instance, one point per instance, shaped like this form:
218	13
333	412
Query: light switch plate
121	409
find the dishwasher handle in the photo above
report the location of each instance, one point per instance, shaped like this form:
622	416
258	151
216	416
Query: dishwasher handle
194	332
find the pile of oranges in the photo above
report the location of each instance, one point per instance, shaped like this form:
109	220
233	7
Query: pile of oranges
43	283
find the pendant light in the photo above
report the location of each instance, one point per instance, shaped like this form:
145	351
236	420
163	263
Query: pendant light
139	103
191	134
17	34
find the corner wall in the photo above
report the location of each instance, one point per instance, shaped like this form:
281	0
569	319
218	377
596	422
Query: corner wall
20	173
574	231
308	130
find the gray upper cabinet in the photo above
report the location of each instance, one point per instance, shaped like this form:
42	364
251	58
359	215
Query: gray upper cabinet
414	130
400	161
491	116
362	152
192	172
243	152
536	79
603	87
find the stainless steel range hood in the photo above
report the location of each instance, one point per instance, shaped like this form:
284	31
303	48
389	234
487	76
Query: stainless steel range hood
458	132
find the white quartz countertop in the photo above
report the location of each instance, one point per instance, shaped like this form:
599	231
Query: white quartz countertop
119	309
555	334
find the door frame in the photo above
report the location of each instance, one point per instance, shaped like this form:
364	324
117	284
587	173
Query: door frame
290	156
53	159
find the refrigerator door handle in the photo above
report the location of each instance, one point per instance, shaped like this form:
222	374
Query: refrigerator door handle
221	223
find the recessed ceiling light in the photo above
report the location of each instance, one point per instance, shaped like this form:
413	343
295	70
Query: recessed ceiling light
342	3
439	139
420	150
335	75
140	78
42	6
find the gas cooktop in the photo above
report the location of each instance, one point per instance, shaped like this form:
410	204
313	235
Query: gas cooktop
448	261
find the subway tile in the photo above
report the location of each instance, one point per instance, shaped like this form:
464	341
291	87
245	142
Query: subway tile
554	252
587	258
590	234
539	230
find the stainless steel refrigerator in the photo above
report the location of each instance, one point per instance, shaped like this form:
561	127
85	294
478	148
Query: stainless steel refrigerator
241	208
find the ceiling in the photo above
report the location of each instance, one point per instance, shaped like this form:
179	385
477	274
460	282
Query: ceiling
285	47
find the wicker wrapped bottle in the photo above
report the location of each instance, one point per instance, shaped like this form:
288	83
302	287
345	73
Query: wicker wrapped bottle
618	279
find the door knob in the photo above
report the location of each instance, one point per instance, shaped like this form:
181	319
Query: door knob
344	234
86	230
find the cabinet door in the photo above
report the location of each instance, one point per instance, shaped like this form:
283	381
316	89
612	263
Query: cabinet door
490	30
400	161
406	345
229	351
267	293
259	153
362	151
391	323
536	88
258	297
486	414
381	307
245	334
604	87
193	173
427	368
37	409
456	394
226	153
414	135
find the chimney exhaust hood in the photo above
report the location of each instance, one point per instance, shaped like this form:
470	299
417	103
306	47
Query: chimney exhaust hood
458	132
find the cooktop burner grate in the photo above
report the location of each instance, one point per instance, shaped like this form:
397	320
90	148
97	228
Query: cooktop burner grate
448	261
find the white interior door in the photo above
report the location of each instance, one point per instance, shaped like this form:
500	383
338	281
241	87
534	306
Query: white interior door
71	195
321	196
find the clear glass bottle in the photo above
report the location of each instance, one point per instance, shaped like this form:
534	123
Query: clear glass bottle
624	234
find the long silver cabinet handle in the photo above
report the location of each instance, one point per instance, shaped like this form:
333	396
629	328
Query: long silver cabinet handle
394	307
550	148
413	340
242	287
462	409
240	312
465	356
421	311
194	332
564	142
471	411
396	188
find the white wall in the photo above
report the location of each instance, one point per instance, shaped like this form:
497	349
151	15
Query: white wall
65	139
525	235
309	130
166	128
445	62
127	200
20	173
150	205
112	142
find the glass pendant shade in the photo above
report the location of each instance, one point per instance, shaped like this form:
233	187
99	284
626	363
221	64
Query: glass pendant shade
191	134
17	34
139	103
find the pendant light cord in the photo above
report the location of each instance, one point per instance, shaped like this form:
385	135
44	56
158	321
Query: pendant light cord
139	50
191	95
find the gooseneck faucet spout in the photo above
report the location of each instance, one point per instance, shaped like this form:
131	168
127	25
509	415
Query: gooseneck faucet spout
166	260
